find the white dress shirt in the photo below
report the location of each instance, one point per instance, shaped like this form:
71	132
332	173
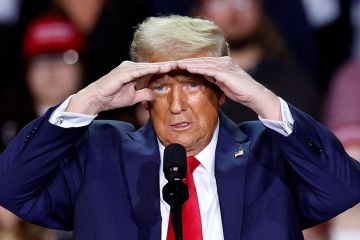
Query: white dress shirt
204	174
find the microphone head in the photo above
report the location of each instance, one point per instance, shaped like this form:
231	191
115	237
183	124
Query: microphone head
175	165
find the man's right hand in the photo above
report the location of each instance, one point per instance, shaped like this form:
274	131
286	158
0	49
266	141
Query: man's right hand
117	88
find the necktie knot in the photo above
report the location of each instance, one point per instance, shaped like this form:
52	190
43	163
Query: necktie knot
192	164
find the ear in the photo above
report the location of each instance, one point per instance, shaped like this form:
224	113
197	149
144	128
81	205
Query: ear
222	99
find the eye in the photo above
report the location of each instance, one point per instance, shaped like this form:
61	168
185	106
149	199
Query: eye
193	84
158	88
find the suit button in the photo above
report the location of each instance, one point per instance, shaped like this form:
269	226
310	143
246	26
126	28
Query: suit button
30	135
313	146
27	138
33	130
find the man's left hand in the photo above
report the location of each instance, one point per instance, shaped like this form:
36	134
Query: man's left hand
236	84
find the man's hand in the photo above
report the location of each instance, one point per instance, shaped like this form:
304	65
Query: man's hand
117	88
236	84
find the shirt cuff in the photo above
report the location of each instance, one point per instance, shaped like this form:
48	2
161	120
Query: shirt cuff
284	127
64	119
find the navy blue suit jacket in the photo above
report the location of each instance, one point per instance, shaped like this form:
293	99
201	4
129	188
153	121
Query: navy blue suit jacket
103	180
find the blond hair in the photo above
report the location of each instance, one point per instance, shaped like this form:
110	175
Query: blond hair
177	36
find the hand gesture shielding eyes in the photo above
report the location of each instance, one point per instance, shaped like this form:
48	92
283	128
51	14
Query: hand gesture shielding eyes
117	88
235	83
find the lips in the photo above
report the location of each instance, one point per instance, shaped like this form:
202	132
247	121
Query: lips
181	125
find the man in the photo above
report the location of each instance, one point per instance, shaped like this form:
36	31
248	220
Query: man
103	179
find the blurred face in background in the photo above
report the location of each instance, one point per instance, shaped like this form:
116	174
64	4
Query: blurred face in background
53	77
238	19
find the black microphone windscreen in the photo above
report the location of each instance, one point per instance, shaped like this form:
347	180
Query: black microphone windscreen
174	161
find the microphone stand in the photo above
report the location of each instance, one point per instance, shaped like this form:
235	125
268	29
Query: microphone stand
177	220
175	193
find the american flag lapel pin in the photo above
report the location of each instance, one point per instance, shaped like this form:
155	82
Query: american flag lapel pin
239	153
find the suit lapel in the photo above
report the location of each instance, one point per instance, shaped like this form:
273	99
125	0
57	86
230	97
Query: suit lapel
230	171
141	163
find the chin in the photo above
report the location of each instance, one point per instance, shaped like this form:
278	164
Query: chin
189	144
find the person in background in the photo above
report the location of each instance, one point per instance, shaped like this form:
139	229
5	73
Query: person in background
342	116
52	47
290	20
330	22
258	48
108	26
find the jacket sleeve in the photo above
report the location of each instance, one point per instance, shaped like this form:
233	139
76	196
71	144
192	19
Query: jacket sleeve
39	173
326	180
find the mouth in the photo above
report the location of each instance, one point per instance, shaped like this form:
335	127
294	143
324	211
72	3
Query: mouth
180	126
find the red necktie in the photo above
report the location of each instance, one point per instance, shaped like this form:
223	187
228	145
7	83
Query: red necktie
191	218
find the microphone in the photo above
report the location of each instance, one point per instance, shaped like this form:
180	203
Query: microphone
175	165
175	192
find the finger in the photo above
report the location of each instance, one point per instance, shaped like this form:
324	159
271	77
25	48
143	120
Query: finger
143	74
210	79
216	65
144	94
150	65
167	66
134	74
210	75
213	75
206	59
150	69
208	66
202	70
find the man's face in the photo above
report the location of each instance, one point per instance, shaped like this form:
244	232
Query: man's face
185	109
51	79
239	19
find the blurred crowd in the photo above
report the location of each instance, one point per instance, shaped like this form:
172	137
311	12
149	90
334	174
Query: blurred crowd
306	51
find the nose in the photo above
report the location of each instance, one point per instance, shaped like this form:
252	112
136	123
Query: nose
177	100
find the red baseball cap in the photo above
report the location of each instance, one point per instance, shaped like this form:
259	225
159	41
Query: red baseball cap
52	33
